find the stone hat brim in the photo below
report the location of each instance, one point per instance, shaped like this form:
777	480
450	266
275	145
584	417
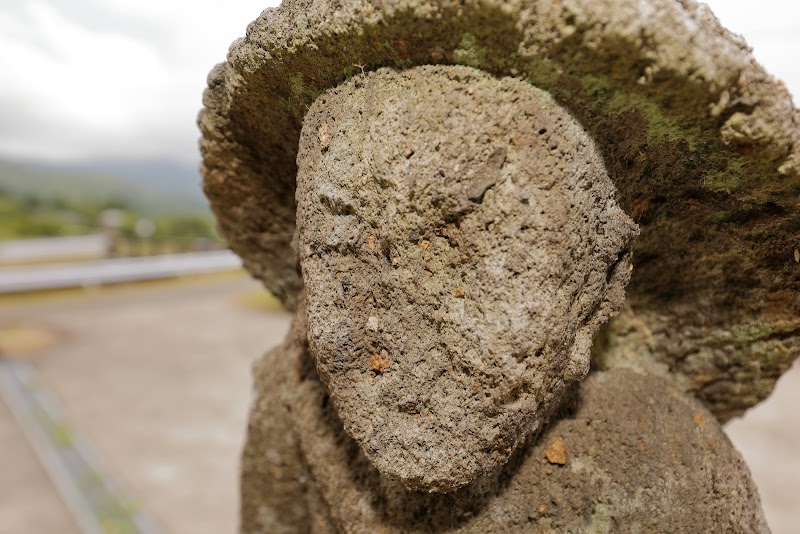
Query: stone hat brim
702	144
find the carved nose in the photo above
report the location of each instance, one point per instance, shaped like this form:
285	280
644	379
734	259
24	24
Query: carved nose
460	245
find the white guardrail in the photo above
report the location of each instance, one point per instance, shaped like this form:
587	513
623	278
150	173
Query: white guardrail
55	248
19	279
100	505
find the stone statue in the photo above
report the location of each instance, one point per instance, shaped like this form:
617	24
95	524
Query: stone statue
453	198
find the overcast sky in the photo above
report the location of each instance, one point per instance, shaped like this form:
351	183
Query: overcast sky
89	79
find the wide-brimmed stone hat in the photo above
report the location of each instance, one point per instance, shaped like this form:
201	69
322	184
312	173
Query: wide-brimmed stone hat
702	144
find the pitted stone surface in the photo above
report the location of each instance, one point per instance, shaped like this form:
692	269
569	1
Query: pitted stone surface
702	144
460	245
640	457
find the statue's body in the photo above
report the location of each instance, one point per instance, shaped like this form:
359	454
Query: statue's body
638	456
442	328
456	241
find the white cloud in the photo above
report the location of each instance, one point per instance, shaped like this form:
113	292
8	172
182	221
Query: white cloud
124	78
75	89
772	29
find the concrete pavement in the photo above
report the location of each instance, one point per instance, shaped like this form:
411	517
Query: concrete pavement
28	501
156	378
768	436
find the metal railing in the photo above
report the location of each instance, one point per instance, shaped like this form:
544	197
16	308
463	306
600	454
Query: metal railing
117	270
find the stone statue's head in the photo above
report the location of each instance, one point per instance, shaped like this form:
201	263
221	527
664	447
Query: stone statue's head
460	244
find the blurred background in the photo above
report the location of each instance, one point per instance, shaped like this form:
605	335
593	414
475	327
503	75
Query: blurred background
127	329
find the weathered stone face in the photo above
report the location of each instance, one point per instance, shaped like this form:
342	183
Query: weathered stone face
460	244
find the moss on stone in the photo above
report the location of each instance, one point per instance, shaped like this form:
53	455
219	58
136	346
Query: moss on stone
723	217
543	73
469	52
774	358
754	332
722	181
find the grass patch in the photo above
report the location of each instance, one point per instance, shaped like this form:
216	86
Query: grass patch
260	300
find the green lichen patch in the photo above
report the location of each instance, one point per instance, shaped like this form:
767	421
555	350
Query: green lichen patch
751	333
773	358
722	181
661	127
469	52
722	217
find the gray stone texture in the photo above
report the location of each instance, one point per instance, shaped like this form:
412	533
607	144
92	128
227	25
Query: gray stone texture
701	143
460	245
638	456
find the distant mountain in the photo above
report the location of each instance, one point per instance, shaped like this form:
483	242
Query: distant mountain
151	187
166	177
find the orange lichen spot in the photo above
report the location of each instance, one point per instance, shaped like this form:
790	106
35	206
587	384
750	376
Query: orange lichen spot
451	232
702	380
459	293
698	419
556	452
379	362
